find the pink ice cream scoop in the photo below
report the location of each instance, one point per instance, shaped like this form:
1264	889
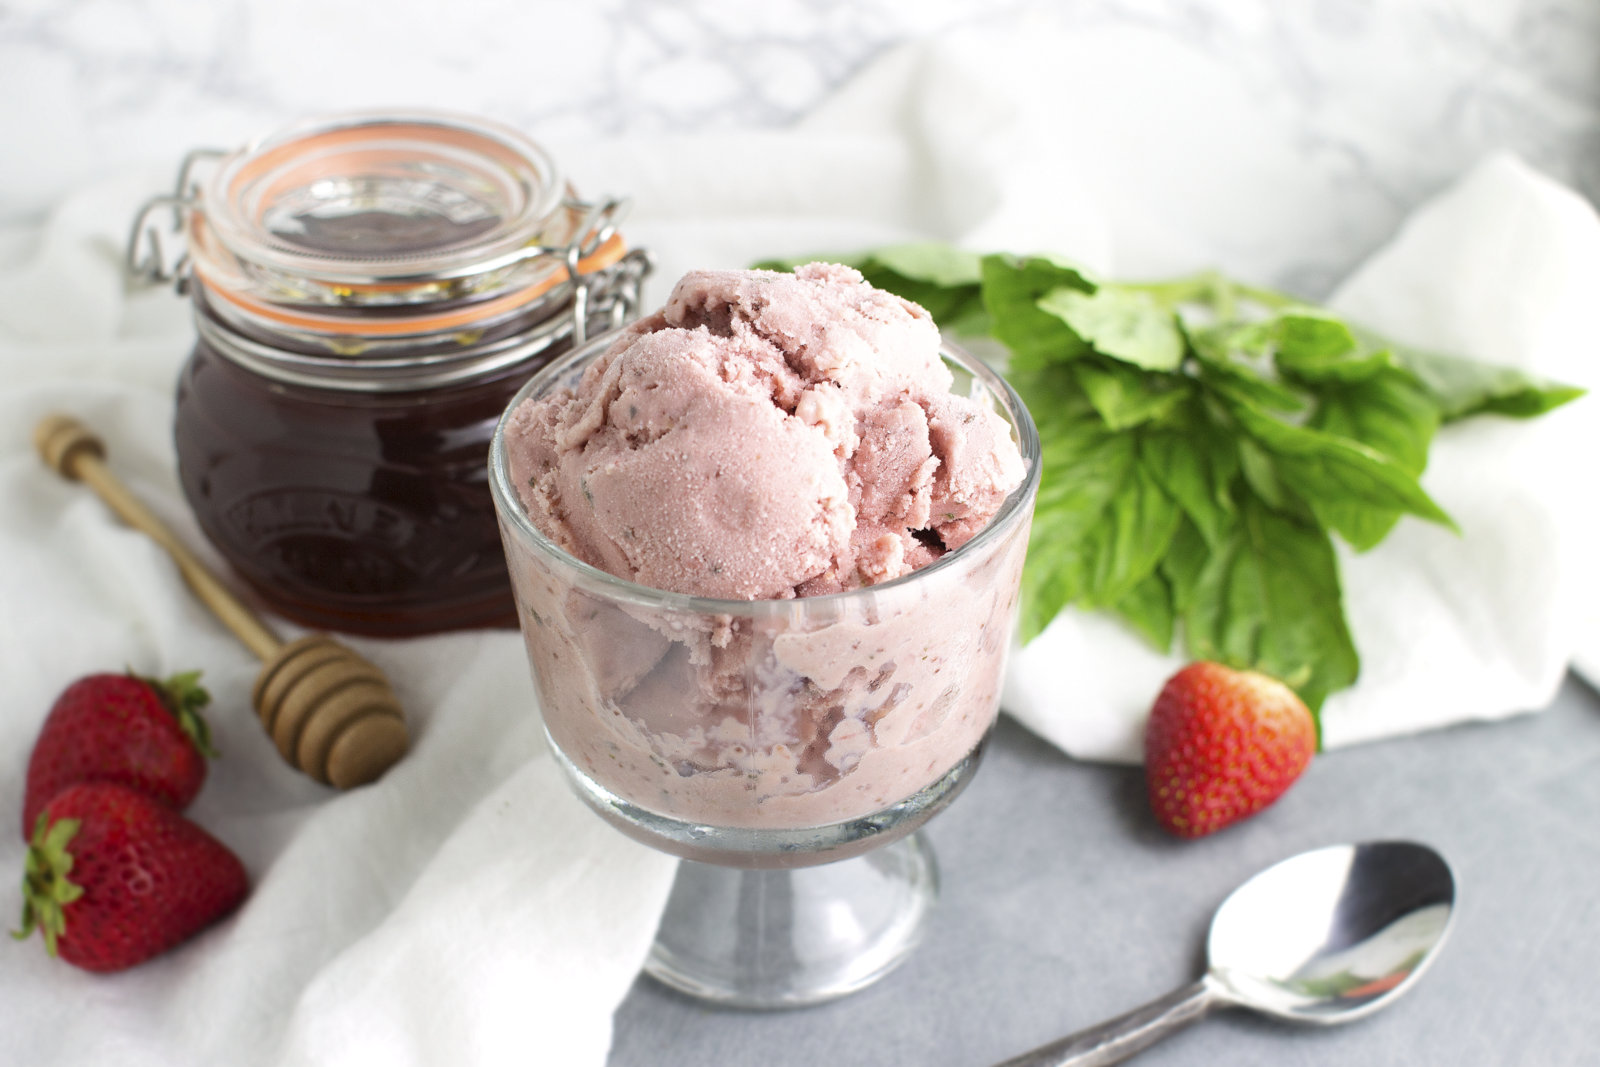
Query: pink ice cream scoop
764	436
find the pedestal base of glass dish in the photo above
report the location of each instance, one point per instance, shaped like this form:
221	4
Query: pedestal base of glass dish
781	918
787	938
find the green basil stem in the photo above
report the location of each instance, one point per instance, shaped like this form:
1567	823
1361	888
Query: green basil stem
1214	290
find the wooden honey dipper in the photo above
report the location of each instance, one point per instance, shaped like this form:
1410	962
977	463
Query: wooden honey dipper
330	712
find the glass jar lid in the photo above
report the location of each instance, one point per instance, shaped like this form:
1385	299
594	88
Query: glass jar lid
383	250
379	210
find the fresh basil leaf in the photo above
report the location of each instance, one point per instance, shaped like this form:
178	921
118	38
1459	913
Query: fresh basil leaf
1121	323
1269	599
1128	545
1011	288
1186	561
1261	475
1311	335
1219	349
1462	387
1196	461
1048	579
1102	523
1083	467
1245	386
1326	469
937	264
1148	608
1126	396
1390	412
1312	346
1359	525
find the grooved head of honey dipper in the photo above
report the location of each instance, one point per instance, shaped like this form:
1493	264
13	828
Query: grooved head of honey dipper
61	439
330	712
365	749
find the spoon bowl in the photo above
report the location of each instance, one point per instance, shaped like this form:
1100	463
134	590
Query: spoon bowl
1327	936
1332	935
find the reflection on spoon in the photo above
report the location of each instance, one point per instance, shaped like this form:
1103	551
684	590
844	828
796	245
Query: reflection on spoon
1323	937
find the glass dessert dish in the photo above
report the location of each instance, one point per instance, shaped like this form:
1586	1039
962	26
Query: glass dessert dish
787	750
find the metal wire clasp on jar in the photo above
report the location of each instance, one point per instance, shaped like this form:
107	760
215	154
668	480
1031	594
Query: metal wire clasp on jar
369	291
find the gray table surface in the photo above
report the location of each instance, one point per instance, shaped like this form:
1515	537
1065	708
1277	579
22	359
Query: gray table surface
1064	904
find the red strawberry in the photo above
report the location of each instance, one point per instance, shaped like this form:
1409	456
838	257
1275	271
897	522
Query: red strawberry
142	877
122	728
1221	745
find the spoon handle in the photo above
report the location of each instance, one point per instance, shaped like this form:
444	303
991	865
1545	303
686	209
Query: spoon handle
1115	1040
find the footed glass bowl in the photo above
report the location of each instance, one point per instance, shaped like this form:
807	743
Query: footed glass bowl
786	749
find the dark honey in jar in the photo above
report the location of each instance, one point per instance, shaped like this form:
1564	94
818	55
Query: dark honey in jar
369	291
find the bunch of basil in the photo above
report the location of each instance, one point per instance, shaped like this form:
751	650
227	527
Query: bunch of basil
1202	441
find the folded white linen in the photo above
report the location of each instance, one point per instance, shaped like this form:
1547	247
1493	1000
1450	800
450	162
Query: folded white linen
466	908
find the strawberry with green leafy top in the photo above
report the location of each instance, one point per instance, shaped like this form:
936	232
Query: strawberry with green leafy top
1222	744
139	732
114	878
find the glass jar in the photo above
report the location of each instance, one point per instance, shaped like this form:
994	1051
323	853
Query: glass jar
369	291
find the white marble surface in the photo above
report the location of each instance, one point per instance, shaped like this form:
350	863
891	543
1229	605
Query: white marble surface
1389	98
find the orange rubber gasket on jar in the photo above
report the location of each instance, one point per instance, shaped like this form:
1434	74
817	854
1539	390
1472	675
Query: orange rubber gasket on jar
604	256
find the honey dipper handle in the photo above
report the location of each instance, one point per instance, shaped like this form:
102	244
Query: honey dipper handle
73	451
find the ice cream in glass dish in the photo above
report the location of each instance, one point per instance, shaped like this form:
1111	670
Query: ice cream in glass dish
766	545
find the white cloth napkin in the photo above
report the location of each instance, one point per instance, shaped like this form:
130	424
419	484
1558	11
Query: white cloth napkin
467	909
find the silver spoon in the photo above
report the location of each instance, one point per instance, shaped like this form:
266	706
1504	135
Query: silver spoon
1324	937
